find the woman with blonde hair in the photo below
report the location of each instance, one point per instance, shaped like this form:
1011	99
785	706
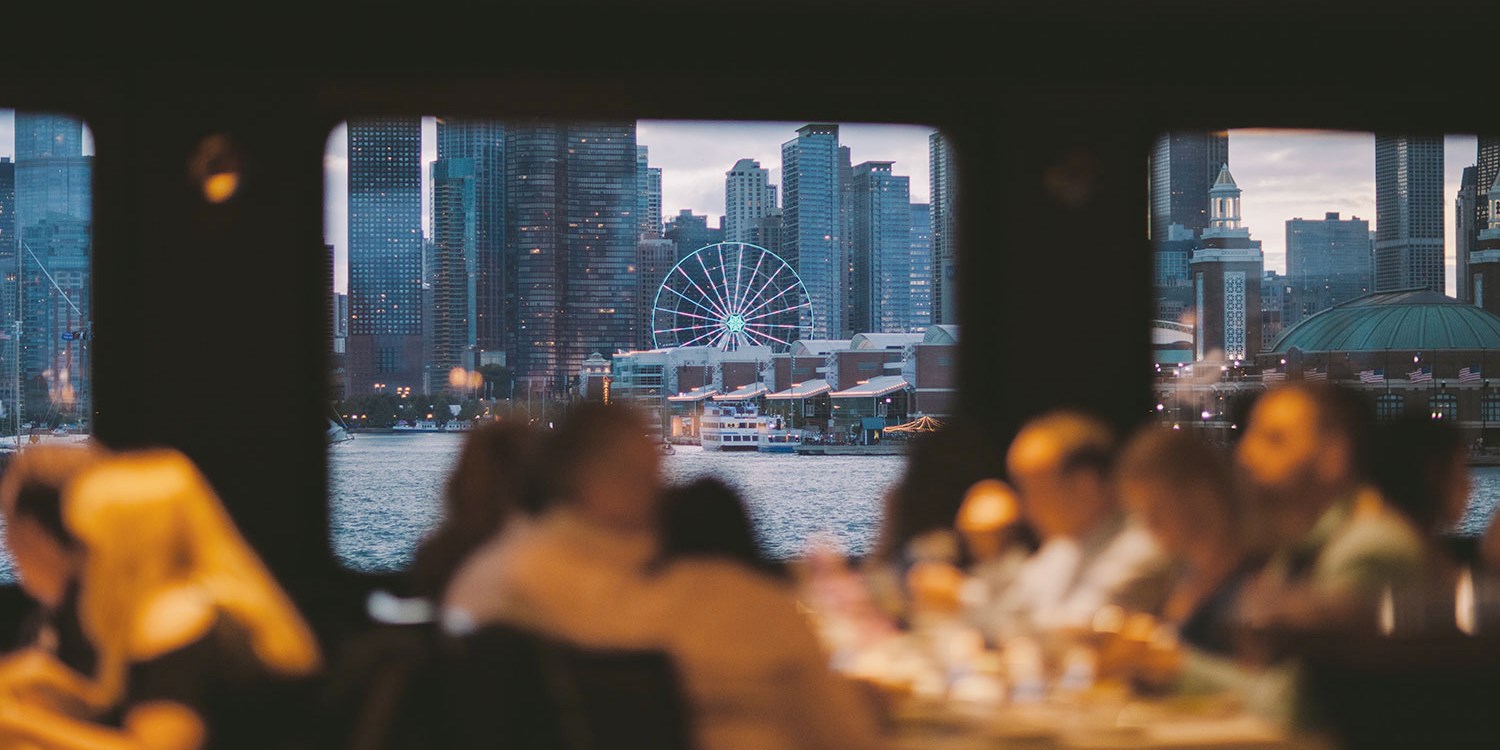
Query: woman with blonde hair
194	639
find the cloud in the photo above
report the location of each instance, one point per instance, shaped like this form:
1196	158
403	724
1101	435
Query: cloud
1288	174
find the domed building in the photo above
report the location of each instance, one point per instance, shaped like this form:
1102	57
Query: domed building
1418	350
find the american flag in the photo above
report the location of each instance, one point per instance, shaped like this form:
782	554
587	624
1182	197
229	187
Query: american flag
1420	375
1315	375
1272	376
1372	376
1468	375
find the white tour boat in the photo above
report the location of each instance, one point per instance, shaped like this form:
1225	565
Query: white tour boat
732	426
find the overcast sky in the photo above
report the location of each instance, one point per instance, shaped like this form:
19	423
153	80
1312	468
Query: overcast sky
1287	174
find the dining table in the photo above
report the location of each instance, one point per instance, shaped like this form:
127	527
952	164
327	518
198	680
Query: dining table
1109	723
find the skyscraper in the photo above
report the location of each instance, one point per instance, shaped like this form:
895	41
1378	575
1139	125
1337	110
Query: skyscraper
1466	214
648	208
880	237
452	276
1184	166
654	257
1487	159
921	267
943	182
8	277
572	194
749	197
812	231
385	351
767	232
1227	271
53	215
483	143
1327	263
1484	263
1409	213
690	231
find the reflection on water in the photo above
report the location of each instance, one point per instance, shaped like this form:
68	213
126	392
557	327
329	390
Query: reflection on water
1482	501
386	493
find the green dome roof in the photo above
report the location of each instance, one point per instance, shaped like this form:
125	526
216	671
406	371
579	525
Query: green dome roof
1411	320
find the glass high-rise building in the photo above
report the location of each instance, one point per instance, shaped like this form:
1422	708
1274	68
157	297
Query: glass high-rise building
812	228
690	231
654	257
1327	263
880	236
749	197
572	190
1409	213
1184	165
53	213
648	206
943	183
920	278
482	142
1465	232
385	347
452	277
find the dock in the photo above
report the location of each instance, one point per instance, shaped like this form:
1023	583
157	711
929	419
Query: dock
881	449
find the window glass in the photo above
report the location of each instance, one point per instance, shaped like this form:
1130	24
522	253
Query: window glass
510	270
46	301
1357	259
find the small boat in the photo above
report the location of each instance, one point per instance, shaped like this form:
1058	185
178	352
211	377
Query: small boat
667	449
337	433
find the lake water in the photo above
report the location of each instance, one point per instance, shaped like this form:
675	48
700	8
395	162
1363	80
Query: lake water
387	489
386	493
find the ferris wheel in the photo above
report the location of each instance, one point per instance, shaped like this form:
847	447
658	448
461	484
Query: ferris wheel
730	295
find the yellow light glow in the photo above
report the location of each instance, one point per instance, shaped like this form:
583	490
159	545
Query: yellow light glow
988	505
220	187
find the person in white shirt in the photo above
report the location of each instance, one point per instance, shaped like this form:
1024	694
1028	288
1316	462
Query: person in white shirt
606	482
1093	554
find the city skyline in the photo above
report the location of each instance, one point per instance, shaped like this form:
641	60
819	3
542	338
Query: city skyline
688	152
1285	174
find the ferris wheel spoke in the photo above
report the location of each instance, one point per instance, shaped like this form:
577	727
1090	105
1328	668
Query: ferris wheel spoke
715	311
700	337
782	310
739	268
689	315
766	302
711	285
762	290
777	325
750	282
724	277
763	334
686	328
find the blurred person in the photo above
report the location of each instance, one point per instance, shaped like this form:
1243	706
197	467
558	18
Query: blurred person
1420	466
1337	544
491	484
920	509
997	543
1093	554
603	483
753	672
197	646
1183	491
46	555
385	691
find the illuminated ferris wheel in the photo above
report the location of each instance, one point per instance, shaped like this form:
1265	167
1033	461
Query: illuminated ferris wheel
730	295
